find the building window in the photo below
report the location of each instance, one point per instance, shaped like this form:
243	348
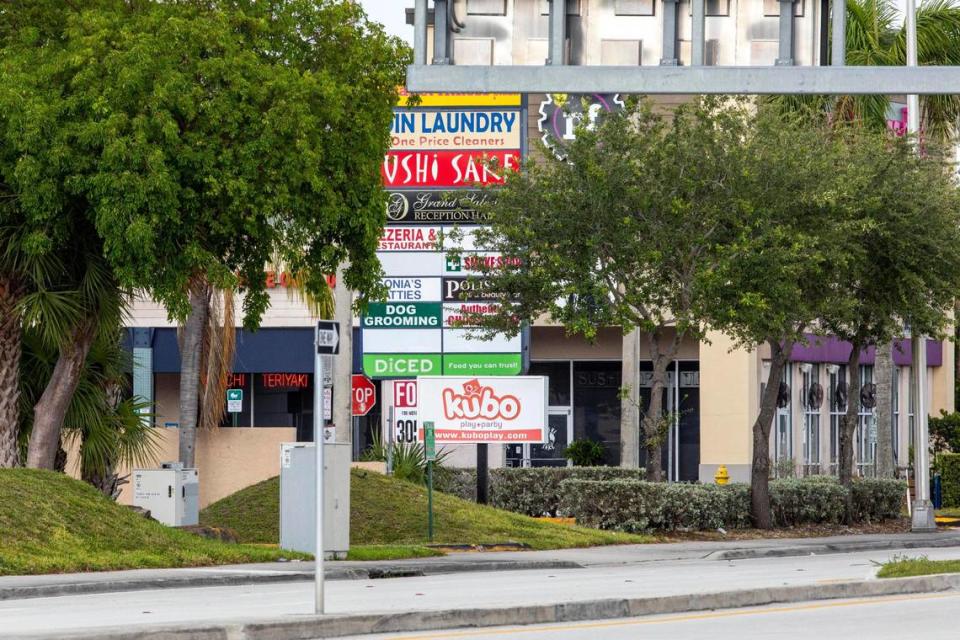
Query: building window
596	405
895	433
486	7
812	401
633	7
558	385
866	437
838	407
783	432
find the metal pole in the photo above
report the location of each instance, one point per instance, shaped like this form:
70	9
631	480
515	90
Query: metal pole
390	441
318	443
839	56
923	515
420	33
697	33
482	473
430	500
557	43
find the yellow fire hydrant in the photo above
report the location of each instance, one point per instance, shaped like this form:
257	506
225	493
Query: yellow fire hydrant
722	477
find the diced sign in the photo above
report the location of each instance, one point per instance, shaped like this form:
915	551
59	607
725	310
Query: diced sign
495	410
234	400
363	394
405	415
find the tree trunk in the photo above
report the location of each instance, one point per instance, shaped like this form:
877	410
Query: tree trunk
760	471
849	422
630	402
10	350
883	373
51	409
653	421
190	370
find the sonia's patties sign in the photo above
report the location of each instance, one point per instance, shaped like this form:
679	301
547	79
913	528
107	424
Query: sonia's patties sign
484	410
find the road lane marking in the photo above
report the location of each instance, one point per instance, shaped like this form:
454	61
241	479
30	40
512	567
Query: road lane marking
550	628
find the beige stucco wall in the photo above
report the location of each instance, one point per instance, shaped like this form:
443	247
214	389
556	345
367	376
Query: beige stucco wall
729	387
942	382
228	459
553	343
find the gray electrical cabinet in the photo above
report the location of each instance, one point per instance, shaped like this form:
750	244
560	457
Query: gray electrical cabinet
171	493
298	462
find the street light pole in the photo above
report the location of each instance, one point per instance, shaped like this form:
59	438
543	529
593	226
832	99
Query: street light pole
923	515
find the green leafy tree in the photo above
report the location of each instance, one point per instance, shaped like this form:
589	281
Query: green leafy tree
220	135
621	233
104	424
876	37
775	278
53	277
902	216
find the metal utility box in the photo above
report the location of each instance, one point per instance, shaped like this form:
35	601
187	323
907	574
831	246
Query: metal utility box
298	498
171	494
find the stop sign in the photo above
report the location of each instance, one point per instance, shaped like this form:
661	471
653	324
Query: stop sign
363	393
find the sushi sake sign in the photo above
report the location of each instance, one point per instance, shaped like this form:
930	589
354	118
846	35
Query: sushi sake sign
484	410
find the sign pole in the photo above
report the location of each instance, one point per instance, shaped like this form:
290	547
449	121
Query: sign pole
482	472
326	342
318	443
430	453
390	428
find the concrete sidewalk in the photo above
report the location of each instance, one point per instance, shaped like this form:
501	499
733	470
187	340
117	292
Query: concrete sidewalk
18	587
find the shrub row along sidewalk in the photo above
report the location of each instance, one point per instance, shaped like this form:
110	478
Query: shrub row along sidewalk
639	506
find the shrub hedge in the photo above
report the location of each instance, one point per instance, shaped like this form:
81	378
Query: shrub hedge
530	491
638	506
949	465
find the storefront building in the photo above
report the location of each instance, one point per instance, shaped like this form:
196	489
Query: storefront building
713	390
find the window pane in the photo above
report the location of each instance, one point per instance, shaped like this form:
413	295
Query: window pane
559	381
596	405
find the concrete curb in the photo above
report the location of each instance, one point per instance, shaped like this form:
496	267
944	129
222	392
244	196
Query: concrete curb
375	571
828	548
309	627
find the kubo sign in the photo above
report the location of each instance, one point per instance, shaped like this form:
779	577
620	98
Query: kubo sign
484	410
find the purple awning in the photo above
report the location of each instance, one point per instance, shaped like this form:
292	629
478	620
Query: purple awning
832	350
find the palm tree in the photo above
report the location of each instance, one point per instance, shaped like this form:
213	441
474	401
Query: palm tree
107	427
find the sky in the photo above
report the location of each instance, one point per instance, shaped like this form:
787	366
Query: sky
391	13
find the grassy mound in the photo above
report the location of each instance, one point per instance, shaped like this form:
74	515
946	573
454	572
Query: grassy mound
50	523
392	513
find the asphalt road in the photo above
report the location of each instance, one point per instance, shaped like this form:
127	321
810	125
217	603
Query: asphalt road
900	617
467	590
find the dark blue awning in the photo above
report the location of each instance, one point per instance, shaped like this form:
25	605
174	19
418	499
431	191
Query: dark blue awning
286	350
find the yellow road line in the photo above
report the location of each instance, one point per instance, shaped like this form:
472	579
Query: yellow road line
677	618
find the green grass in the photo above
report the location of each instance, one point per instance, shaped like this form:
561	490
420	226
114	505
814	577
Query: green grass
50	523
390	552
907	567
949	513
393	513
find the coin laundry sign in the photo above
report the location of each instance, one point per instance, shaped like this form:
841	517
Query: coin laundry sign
478	410
466	129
